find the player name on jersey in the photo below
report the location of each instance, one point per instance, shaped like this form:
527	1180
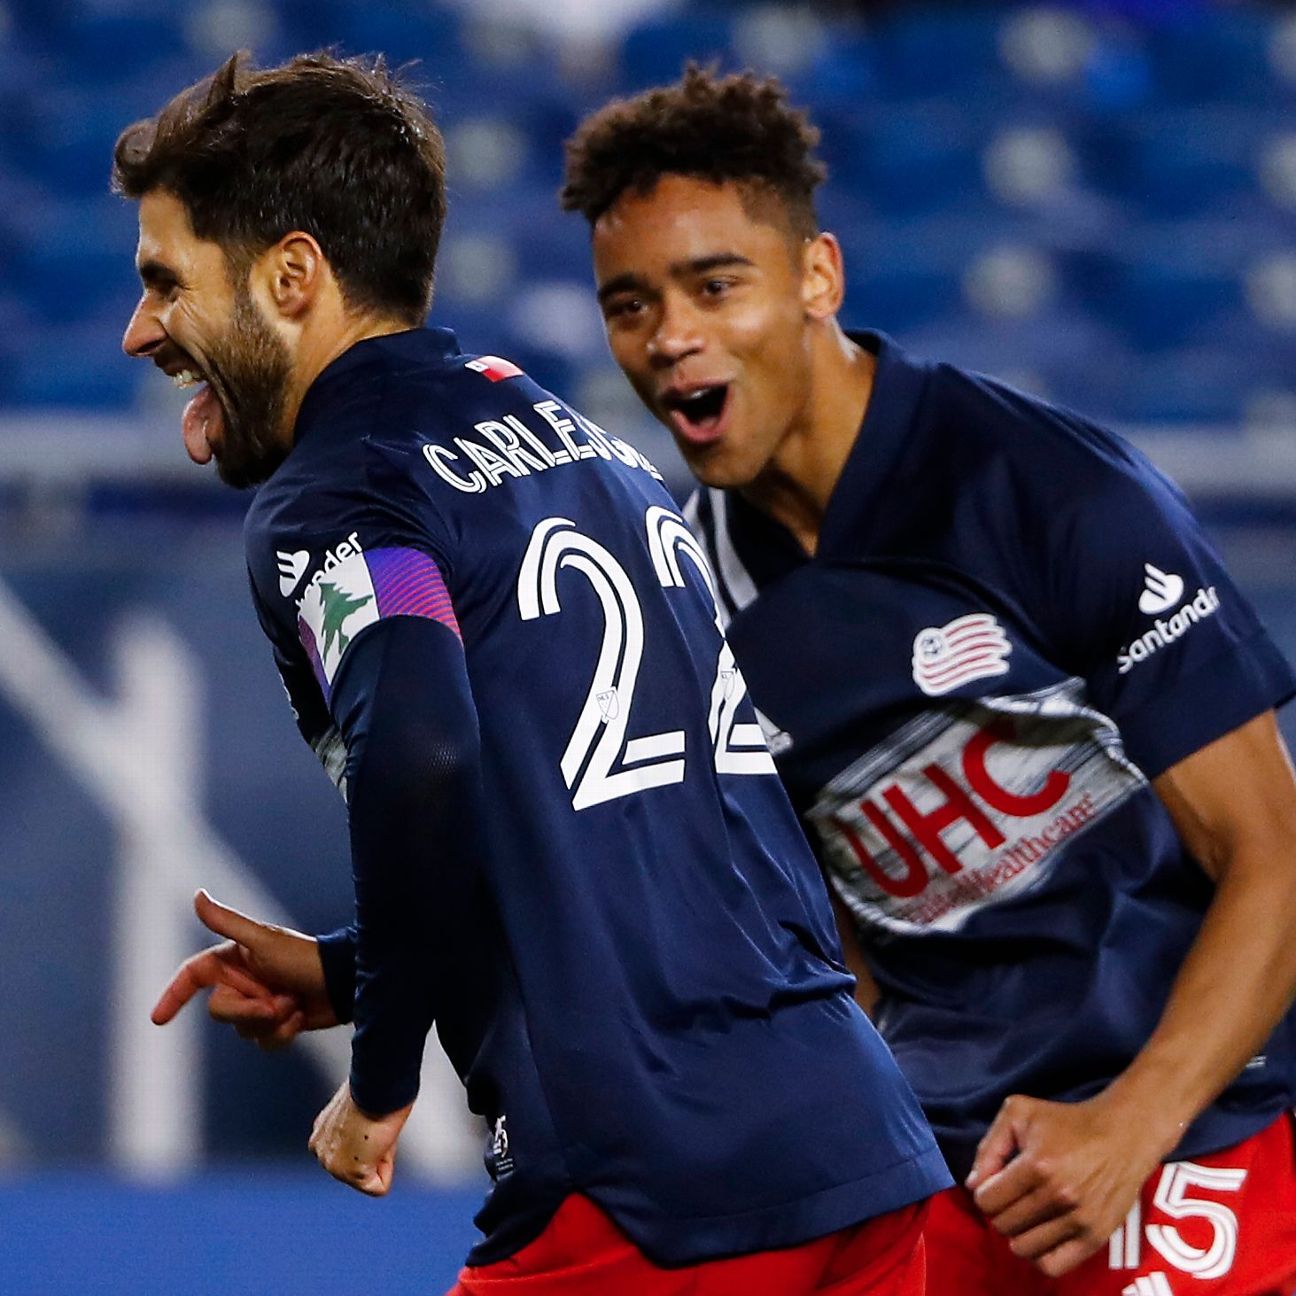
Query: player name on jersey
507	448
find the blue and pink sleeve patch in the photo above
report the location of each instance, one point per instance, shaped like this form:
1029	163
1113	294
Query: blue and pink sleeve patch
409	583
362	590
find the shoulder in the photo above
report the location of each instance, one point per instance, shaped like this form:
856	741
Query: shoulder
1039	458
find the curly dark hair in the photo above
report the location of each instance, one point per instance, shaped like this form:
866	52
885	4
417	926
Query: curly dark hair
737	128
335	147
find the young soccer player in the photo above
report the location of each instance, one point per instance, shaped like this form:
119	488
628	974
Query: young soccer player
1024	713
570	847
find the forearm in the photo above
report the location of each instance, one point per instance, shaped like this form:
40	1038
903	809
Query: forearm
1237	981
1233	803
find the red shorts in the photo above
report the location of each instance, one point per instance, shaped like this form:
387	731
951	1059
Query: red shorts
583	1253
1223	1224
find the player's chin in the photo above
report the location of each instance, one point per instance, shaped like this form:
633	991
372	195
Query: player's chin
719	471
717	466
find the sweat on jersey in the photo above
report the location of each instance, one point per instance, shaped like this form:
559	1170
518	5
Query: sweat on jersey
1011	623
570	846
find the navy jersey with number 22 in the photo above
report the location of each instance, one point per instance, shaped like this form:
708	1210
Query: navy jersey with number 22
628	954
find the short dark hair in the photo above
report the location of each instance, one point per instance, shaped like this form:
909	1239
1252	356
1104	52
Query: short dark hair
335	147
738	128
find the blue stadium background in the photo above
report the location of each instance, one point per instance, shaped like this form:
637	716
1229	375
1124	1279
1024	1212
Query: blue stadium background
1096	201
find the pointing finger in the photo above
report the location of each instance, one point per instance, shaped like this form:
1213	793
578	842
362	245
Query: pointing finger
221	965
194	974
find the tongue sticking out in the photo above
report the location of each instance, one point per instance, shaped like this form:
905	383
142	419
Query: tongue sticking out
202	425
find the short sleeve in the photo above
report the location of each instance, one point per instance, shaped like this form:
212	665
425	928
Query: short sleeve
1139	603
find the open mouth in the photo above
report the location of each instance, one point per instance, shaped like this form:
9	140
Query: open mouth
202	424
697	414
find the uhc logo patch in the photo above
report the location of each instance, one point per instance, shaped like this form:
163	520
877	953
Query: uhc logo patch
967	806
969	648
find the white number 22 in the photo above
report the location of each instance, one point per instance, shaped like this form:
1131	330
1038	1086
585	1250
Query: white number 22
600	763
598	741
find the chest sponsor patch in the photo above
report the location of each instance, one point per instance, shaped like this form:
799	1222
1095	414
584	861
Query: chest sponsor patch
969	806
969	648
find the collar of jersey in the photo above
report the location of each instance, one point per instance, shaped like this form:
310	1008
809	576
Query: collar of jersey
369	361
861	497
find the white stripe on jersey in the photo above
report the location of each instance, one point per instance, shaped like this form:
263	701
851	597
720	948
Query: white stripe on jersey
704	532
1156	1284
1124	1246
737	589
332	753
741	586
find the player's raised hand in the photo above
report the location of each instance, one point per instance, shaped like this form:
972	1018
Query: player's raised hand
356	1149
265	981
1058	1179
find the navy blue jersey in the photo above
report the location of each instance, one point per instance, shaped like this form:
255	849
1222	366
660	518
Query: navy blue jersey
638	977
1011	624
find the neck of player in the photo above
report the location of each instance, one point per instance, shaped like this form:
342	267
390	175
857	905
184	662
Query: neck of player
329	335
795	486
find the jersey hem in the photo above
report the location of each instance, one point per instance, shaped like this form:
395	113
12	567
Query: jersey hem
1214	1130
769	1228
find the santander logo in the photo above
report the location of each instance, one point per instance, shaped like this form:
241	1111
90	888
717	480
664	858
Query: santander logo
1161	591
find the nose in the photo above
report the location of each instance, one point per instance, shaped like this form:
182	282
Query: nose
144	334
678	333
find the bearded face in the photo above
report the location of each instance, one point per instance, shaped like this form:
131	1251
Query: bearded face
198	321
248	371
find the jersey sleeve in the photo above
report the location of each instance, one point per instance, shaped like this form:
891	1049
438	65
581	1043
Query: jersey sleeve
349	581
1139	604
405	710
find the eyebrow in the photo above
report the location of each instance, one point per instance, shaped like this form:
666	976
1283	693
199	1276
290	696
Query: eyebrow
155	272
698	266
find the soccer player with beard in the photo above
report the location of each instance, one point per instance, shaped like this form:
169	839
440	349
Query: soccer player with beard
1026	717
570	847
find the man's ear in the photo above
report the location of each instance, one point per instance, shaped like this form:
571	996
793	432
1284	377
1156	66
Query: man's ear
823	277
291	273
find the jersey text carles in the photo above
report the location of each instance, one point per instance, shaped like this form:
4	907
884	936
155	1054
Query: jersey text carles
506	448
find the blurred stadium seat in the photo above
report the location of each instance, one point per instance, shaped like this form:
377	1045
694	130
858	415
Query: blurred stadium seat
1104	143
